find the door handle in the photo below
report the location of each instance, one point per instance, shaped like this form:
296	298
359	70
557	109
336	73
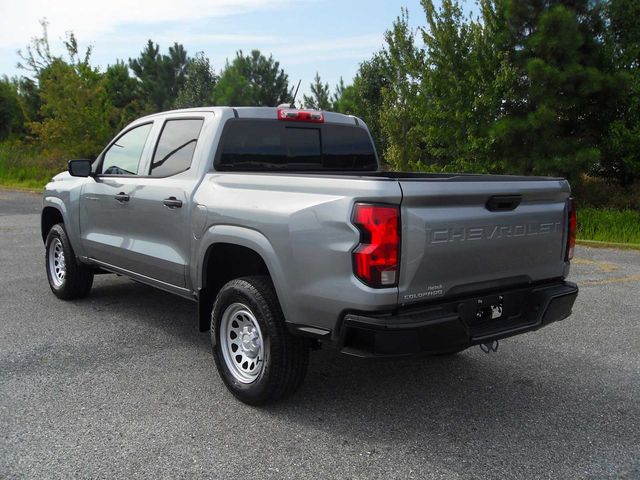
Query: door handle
122	197
172	202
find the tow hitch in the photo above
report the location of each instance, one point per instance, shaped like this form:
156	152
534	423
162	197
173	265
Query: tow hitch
489	346
488	310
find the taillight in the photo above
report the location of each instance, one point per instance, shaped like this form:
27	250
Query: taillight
376	258
295	115
571	230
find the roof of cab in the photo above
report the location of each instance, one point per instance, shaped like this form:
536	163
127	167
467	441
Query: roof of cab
258	112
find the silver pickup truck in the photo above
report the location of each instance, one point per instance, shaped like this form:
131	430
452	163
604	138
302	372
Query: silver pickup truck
279	223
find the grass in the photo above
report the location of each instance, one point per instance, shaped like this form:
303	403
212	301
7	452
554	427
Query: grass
25	167
619	246
609	226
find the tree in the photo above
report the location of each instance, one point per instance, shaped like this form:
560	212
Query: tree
621	150
74	113
37	57
566	91
35	60
252	80
11	117
528	88
372	78
160	76
76	110
319	98
455	90
199	84
343	99
29	99
122	91
64	102
233	89
398	116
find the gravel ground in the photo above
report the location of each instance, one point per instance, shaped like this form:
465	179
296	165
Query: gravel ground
122	385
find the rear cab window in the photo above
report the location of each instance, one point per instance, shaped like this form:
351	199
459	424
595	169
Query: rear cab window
175	148
259	145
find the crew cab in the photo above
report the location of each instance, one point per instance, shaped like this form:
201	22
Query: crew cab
281	225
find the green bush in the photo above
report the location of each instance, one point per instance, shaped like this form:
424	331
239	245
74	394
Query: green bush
616	226
600	193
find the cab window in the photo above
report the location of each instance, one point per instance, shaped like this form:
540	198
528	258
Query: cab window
123	156
176	146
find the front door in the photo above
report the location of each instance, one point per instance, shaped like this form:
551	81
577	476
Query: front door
105	203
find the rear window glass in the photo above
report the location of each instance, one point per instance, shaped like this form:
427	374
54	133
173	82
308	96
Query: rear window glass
255	145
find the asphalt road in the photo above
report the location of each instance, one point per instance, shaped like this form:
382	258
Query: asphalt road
122	385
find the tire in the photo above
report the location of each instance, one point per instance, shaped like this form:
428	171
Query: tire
267	363
68	279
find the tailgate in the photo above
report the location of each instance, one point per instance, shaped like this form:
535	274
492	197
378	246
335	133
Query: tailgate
467	235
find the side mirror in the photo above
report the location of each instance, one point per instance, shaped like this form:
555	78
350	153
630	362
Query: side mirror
80	168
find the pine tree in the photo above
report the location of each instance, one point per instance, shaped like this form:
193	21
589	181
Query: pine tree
343	99
252	80
122	90
160	76
319	98
563	90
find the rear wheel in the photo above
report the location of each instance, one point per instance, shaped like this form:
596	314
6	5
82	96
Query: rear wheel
258	359
67	277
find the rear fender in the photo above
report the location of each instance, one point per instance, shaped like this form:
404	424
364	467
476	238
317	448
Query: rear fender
248	238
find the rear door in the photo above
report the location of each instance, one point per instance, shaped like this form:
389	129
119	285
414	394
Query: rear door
468	234
161	202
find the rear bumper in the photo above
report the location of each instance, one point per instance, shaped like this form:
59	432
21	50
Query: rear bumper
456	324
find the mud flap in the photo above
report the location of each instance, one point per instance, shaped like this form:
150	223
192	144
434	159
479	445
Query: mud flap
205	305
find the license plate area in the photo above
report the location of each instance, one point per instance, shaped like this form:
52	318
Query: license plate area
489	310
492	314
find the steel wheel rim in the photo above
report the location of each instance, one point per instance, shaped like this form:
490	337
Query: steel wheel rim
57	264
241	343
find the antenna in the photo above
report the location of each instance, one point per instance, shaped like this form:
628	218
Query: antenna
293	100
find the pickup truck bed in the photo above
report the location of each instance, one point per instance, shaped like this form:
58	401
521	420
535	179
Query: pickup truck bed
282	228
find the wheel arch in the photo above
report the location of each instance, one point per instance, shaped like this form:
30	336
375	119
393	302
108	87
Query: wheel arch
49	217
229	252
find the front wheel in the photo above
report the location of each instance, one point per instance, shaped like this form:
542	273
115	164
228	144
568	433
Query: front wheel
258	359
67	277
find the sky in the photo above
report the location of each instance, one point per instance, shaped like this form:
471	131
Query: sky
331	37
